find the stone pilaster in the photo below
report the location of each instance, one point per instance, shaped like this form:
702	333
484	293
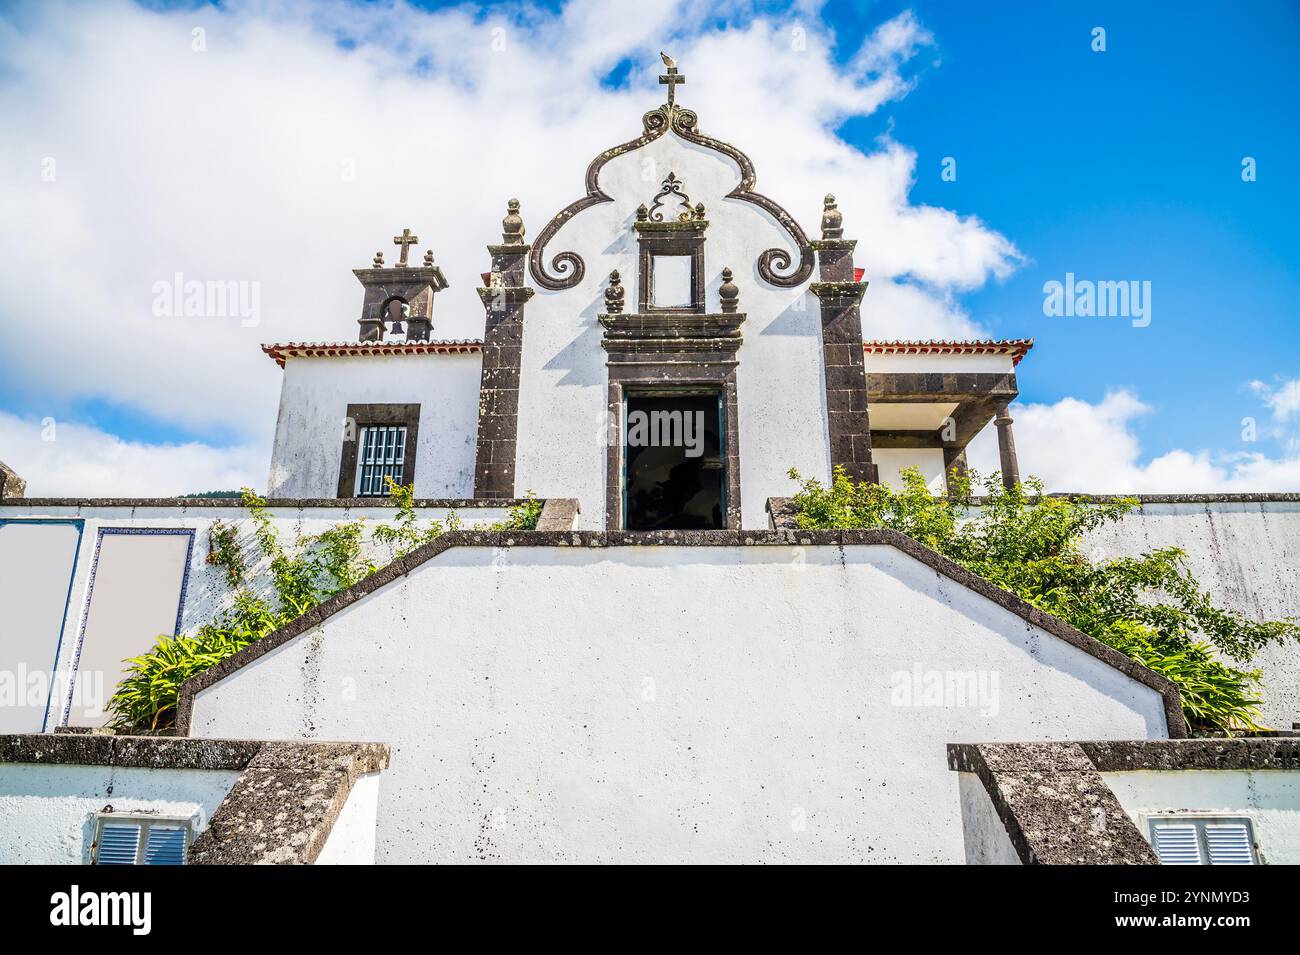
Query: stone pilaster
1007	450
846	381
503	341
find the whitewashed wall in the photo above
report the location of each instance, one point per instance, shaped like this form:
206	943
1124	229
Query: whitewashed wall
1271	798
562	399
314	400
672	704
986	839
1246	555
352	837
49	624
892	462
48	813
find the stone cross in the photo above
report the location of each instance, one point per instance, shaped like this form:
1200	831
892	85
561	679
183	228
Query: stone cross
671	79
405	240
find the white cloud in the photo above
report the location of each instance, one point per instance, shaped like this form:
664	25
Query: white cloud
1283	398
73	460
1077	446
231	163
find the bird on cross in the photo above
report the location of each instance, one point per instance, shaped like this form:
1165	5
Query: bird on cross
671	78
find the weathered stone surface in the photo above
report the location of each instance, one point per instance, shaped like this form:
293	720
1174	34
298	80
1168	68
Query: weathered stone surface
558	514
1054	804
1057	808
280	810
11	485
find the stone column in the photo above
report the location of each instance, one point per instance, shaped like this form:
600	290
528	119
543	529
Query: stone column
1007	450
503	340
846	379
954	459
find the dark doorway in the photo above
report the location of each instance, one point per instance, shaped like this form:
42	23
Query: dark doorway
674	476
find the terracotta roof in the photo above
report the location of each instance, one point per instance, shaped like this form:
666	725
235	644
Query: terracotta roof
1017	348
353	349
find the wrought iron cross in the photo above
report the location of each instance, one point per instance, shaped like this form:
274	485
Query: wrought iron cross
671	78
405	240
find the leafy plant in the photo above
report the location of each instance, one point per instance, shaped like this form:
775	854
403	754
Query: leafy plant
301	577
405	533
1149	607
521	517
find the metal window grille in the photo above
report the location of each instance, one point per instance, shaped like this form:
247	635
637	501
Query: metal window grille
382	455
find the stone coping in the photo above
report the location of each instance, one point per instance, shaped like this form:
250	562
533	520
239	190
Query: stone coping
273	503
781	510
1056	807
1176	724
280	810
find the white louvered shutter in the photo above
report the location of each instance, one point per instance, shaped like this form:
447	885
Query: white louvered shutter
165	845
119	843
1229	843
1176	843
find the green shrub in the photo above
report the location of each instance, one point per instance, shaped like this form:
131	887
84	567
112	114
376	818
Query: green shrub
314	570
1149	607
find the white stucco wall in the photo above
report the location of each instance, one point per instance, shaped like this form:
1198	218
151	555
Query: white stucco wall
893	363
48	812
671	703
1270	798
563	400
892	461
314	399
26	663
986	839
1246	556
352	838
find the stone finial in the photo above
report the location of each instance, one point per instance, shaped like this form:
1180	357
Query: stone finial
698	212
378	263
428	258
642	213
11	485
832	219
512	226
614	294
728	293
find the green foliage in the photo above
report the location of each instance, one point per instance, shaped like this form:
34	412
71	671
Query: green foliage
313	570
405	533
1149	607
224	551
521	517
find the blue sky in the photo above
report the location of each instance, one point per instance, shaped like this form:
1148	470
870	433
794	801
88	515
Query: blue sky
1115	165
1124	164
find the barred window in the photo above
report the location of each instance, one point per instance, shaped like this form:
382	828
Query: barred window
382	454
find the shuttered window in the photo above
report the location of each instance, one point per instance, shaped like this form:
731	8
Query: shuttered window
1203	840
140	841
382	454
119	844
